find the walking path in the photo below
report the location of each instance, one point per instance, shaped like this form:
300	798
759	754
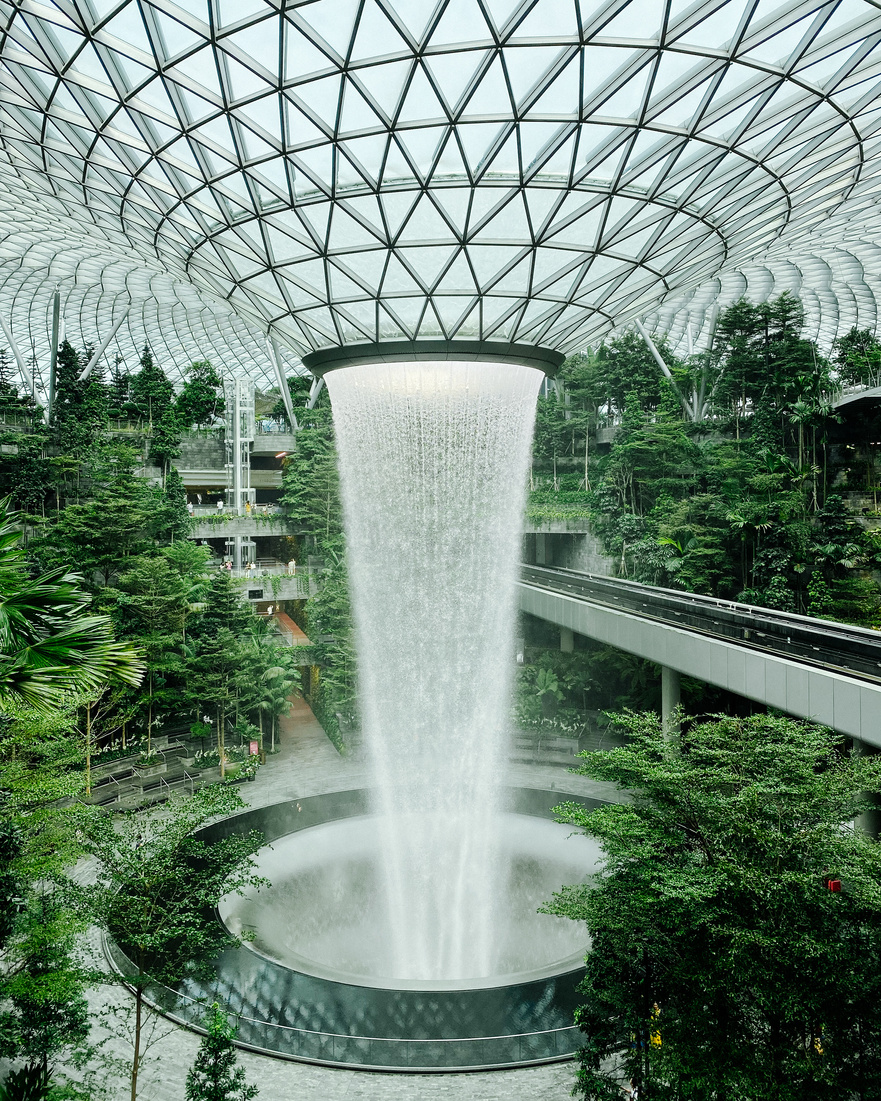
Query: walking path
308	764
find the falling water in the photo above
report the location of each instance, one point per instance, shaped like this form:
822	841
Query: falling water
433	460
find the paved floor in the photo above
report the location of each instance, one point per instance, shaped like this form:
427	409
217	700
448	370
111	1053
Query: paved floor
308	764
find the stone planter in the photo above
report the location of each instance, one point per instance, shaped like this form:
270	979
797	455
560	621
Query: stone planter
210	775
187	762
151	770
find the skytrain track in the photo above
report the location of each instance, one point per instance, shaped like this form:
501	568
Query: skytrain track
855	651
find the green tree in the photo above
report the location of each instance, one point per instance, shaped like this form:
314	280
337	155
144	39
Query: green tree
214	1076
176	519
150	391
201	398
721	963
310	485
156	888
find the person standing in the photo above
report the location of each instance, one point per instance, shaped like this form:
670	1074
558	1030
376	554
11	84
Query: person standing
220	504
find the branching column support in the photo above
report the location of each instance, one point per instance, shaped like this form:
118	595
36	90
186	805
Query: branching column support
103	346
282	383
689	412
317	387
26	376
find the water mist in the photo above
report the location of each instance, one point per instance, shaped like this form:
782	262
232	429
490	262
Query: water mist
433	463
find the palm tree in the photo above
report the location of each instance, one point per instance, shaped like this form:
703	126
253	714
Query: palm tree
49	643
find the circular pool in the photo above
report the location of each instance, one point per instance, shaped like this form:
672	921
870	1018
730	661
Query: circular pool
317	982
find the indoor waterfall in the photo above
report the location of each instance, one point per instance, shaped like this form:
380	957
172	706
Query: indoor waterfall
433	461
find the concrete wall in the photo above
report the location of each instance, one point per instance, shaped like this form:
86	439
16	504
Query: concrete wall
202	452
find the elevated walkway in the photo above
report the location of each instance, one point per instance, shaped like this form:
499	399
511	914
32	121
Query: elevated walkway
814	669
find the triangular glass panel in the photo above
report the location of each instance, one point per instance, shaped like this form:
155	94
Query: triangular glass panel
450	162
422	144
321	321
317	163
639	19
506	160
366	207
285	248
535	137
455	202
367	266
128	26
427	261
540	201
452	310
300	128
415	15
510	224
557	19
357	114
536	315
342	286
176	37
716	31
491	96
420	101
515	281
376	35
582	232
310	274
628	100
315	217
776	49
458	278
527	65
500	317
425	224
332	20
559	163
408	312
396	205
476	140
562	95
346	233
680	112
368	153
243	82
301	56
452	72
363	315
390	328
488	261
384	84
322	98
461	21
201	68
398	279
430	325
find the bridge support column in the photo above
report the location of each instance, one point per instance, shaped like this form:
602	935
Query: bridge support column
567	640
670	694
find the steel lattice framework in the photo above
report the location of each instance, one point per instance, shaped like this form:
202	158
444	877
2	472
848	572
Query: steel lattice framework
339	171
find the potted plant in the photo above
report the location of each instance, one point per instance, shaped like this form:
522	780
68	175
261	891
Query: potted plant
150	763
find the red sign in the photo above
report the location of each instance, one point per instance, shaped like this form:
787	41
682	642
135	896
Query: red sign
254	748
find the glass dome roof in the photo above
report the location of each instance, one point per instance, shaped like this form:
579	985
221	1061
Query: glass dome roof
340	171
